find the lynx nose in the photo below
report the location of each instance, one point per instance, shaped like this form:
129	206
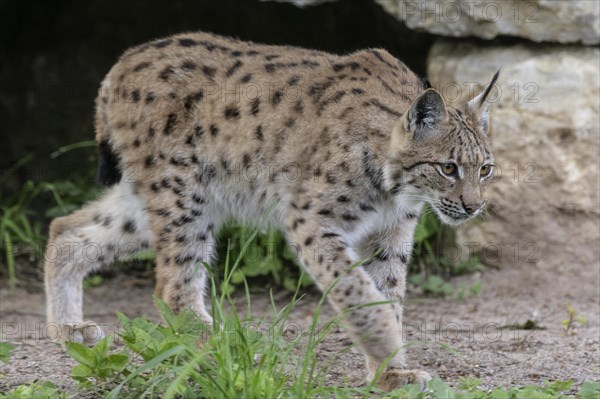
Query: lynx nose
472	208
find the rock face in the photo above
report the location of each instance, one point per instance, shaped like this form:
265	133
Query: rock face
537	20
545	129
301	3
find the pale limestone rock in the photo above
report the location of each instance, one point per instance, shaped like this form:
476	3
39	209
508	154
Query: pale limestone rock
301	3
538	20
545	130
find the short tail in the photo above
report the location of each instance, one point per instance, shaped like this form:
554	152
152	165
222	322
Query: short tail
109	170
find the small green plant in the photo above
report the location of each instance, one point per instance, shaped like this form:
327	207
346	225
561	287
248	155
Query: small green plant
589	390
93	281
433	285
70	195
573	319
429	240
6	349
469	388
97	365
431	268
35	390
465	291
436	286
267	258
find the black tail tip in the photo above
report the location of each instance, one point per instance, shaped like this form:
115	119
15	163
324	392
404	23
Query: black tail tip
109	172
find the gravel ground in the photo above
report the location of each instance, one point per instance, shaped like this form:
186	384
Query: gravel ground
450	338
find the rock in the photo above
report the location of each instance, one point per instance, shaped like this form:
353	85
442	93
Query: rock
537	20
545	132
300	3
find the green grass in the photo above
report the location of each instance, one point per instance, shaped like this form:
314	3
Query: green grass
17	227
20	228
26	208
266	261
35	390
5	351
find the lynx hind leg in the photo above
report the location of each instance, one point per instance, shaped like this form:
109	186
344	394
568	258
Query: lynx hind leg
113	227
185	246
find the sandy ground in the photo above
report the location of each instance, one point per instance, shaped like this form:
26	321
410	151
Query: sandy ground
449	338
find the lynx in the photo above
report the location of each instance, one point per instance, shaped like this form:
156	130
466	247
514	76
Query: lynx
339	152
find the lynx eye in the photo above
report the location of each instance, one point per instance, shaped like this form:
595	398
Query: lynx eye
449	169
485	170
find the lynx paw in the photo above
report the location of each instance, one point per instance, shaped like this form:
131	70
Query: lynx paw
396	378
87	332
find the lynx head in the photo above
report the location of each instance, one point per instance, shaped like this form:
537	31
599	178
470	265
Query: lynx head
441	155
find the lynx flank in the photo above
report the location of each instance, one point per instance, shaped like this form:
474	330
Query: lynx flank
340	152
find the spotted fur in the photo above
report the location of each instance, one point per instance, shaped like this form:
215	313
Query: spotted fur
340	152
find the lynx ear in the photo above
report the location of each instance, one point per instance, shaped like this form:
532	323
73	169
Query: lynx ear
425	115
479	107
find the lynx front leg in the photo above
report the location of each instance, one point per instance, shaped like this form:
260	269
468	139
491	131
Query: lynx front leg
329	261
389	253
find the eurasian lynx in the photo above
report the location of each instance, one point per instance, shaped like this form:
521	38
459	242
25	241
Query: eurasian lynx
340	152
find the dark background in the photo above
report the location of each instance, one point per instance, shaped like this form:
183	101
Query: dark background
54	54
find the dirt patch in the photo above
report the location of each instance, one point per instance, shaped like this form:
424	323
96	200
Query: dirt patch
449	338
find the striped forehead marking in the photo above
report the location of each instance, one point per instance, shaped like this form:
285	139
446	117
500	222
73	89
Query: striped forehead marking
468	148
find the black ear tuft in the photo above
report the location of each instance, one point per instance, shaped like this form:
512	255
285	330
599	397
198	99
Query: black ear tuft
109	171
486	93
479	107
426	83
